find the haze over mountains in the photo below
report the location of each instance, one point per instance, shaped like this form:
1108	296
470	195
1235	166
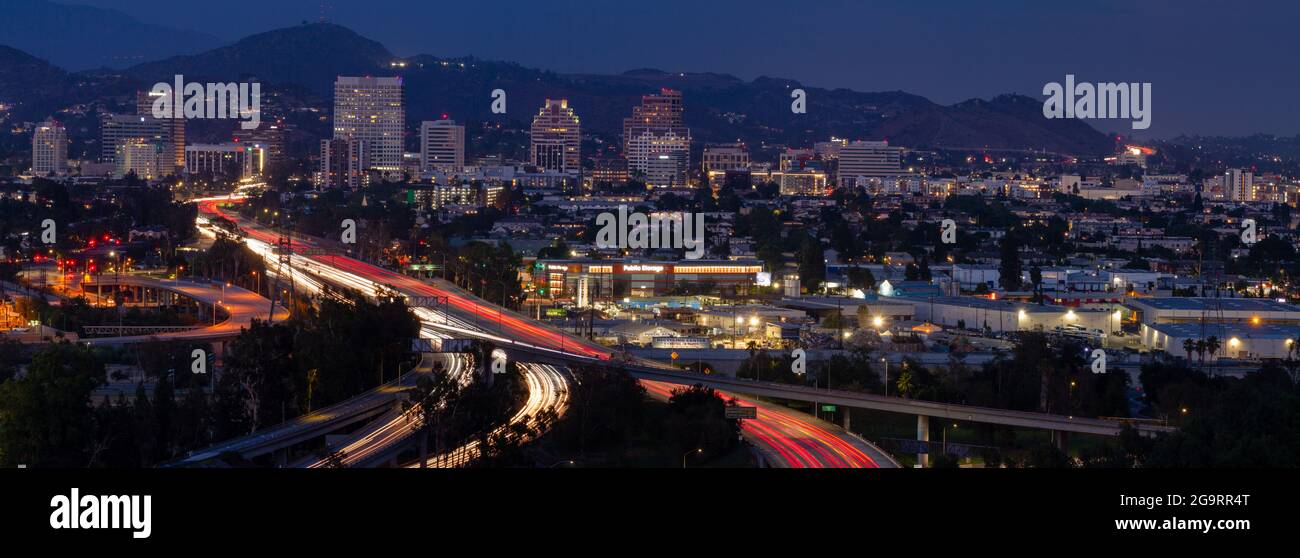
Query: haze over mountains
85	37
719	107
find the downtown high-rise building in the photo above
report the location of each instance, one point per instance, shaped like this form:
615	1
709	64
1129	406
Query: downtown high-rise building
118	129
863	160
144	158
656	141
49	149
370	110
1239	185
442	146
556	138
269	137
343	164
175	127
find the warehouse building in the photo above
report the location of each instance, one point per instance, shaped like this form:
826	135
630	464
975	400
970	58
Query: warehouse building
1174	310
1241	341
1000	316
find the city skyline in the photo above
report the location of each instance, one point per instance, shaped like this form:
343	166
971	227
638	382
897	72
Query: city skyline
1158	44
310	249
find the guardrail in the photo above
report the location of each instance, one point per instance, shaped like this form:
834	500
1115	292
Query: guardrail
136	330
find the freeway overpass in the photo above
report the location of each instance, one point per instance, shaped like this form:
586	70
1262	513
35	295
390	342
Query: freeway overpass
240	305
315	424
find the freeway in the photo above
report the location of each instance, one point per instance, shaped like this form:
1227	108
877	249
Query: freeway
791	439
459	314
860	400
781	430
317	423
547	389
321	257
378	441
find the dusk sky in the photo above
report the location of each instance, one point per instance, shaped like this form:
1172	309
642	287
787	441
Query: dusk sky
1215	67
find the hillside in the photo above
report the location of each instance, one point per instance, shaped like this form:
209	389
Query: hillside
85	37
301	62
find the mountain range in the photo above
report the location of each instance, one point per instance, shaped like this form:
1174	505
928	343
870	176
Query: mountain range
305	59
85	37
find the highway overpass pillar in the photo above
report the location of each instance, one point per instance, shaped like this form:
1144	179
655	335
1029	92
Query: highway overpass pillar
1061	439
923	435
846	419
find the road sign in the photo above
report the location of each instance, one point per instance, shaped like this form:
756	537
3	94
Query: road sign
828	408
739	412
673	355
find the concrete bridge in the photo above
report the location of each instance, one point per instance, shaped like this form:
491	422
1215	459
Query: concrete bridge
239	307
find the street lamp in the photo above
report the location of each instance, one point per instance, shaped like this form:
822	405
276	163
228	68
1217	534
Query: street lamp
886	361
685	455
945	437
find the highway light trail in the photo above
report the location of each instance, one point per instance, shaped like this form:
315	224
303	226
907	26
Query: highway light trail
484	314
796	440
547	385
390	429
547	389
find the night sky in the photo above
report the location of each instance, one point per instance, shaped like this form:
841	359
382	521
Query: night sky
1215	67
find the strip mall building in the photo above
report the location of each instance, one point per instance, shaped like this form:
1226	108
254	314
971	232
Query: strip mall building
586	280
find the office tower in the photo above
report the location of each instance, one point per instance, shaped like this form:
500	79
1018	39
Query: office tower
793	158
829	150
343	164
659	159
658	113
442	146
556	138
656	142
803	182
147	159
1239	185
268	136
722	158
370	110
175	127
868	159
232	160
118	129
49	149
608	170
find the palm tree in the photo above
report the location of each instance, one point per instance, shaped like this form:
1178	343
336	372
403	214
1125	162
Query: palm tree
1200	351
1189	346
1212	346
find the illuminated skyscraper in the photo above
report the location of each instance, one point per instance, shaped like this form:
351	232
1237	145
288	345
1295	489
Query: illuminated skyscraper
556	137
174	127
442	146
868	159
49	149
370	110
656	142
